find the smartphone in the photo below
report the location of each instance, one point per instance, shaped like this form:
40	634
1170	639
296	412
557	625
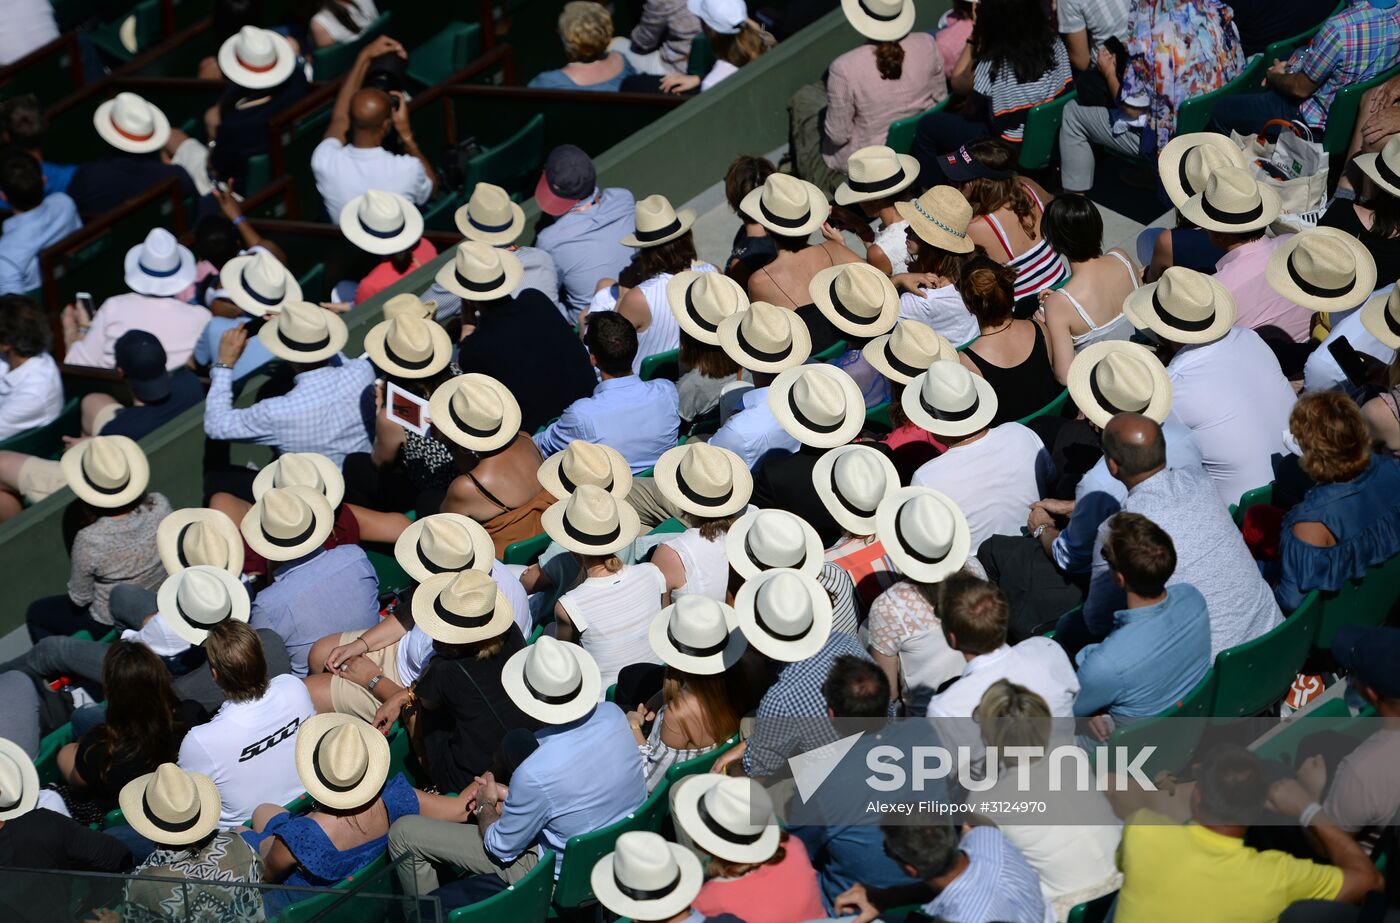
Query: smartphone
1349	361
254	325
84	301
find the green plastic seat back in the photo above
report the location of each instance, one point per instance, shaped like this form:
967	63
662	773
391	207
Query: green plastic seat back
339	907
444	54
1095	911
1175	740
665	365
702	56
440	213
47	441
511	162
149	27
1193	114
699	765
1253	497
574	889
1043	131
1050	409
833	351
1254	675
527	550
330	62
900	137
526	900
1367	601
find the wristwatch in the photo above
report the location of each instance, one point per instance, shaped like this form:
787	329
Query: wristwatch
1039	530
374	682
223	365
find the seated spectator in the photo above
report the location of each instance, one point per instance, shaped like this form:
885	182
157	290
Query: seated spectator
267	76
880	175
851	481
1344	524
646	877
1184	167
735	40
700	301
143	140
938	245
895	74
352	159
244	283
709	487
32	28
1226	383
752	338
753	248
31	392
1089	307
993	474
33	836
585	226
495	323
1011	355
339	22
159	272
158	395
637	418
1086	27
764	540
901	356
1263	22
490	217
1159	646
586	29
1320	270
248	747
1322	372
1374	216
229	17
22	124
660	42
1380	318
37	221
388	225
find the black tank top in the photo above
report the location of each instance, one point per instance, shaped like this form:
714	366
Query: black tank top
1022	389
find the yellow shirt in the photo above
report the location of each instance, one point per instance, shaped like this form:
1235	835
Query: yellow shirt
1174	872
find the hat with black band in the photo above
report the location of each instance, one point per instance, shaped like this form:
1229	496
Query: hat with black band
701	301
1233	202
924	532
880	20
907	351
592	521
408	346
171	807
584	462
704	480
1115	376
658	223
382	223
304	333
647	878
876	172
1183	306
553	681
196	535
197	598
1322	269
481	272
784	614
476	412
490	216
767	539
857	298
107	472
1381	318
697	635
462	607
851	480
444	543
765	338
1383	167
341	760
287	523
787	206
949	400
818	405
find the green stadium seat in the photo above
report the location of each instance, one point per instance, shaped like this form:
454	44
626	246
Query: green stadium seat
527	550
1254	497
47	441
702	56
313	284
900	137
1368	601
1281	49
1051	409
259	174
1043	132
1194	113
440	213
1341	117
834	351
526	900
46	761
148	30
339	906
1332	715
573	888
665	365
330	62
672	526
879	417
1095	911
1254	675
1174	739
512	162
699	765
444	54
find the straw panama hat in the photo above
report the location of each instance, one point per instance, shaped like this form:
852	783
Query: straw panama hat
481	272
461	608
646	878
476	412
1381	318
704	480
940	218
342	760
444	543
701	301
787	206
948	400
256	59
304	332
1183	306
130	123
1115	376
1383	167
696	634
584	462
302	469
851	480
907	351
765	338
1232	202
159	266
592	521
658	223
197	598
382	223
409	303
490	217
1188	161
818	405
881	20
409	346
877	172
768	539
553	681
19	781
199	536
288	522
784	614
171	807
924	532
857	298
258	283
106	471
1322	269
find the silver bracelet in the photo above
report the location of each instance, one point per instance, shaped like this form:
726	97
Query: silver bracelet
1310	812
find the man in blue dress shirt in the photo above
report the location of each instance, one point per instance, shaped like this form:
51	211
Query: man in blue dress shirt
39	221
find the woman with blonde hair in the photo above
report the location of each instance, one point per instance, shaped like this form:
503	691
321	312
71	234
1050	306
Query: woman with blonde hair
586	29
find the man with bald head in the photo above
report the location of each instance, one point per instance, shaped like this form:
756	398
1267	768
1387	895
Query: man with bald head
352	160
1211	554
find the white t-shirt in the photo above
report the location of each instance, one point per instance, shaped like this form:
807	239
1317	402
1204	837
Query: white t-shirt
1039	664
361	12
613	614
1321	372
249	749
343	172
718	72
943	310
894	243
994	480
30	396
29	26
156	635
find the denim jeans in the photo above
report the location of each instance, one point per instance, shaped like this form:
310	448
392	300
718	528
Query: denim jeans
1248	112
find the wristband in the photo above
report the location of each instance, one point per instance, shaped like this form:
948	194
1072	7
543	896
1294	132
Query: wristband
239	220
1309	813
374	682
366	643
223	365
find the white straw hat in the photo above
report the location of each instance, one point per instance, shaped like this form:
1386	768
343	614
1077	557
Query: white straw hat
1116	376
940	218
553	681
1183	306
490	217
444	543
697	634
199	536
646	878
876	173
476	412
787	206
258	283
1383	167
584	462
19	781
907	351
288	522
197	598
409	303
257	59
785	614
1232	202
592	521
924	532
818	405
106	471
159	266
658	223
342	760
130	123
729	818
851	480
704	480
1188	161
1381	318
302	469
948	400
881	20
765	338
701	301
462	608
408	346
768	539
1322	269
481	272
171	807
304	332
382	223
857	298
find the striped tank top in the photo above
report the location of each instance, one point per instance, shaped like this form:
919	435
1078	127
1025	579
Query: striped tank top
1038	269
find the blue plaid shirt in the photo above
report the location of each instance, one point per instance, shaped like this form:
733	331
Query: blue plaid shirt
998	885
1353	46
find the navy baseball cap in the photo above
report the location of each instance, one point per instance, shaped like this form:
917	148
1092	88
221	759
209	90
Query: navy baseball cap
960	166
568	179
141	359
1372	655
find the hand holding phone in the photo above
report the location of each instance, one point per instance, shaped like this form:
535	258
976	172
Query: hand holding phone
1349	361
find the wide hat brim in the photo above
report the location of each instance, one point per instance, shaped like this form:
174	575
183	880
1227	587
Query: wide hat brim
736	549
780	402
1173	156
440	412
881	30
913	403
1277	274
173	527
427	615
507	235
909	171
1194	209
818	210
138	467
603	879
336	336
677	296
629	527
781	649
168	605
374	345
799	353
330	476
107	130
551	476
1367	165
231	281
583	701
326	794
323	521
685	219
1373	318
276	75
1081	376
932	234
875	353
357	234
28	776
1142	314
822	291
905	561
143	283
132	801
668	481
511	275
706	665
847	517
421	569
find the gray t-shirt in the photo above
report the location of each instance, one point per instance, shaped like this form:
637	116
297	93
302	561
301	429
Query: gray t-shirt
117	550
1101	18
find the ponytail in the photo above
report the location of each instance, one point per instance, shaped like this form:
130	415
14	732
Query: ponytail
889	58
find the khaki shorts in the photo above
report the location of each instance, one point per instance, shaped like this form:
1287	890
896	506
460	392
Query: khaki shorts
349	698
39	477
